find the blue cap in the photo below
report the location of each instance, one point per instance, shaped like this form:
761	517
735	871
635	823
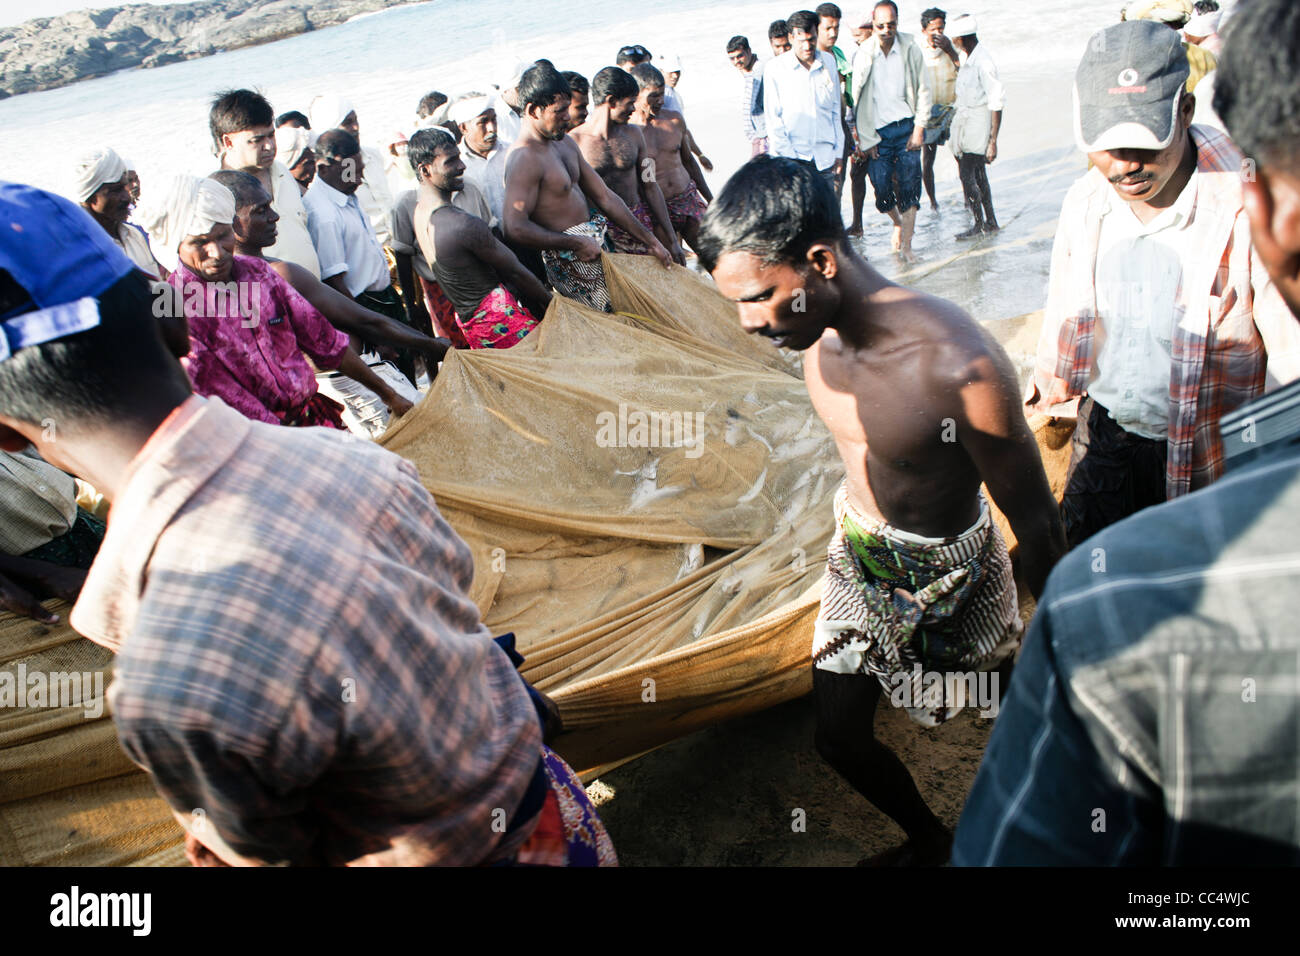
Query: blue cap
61	257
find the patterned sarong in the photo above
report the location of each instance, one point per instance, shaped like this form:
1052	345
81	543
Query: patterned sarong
568	831
442	314
685	207
574	279
893	600
622	241
500	321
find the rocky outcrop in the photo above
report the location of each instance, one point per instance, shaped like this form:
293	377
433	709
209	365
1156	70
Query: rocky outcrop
54	51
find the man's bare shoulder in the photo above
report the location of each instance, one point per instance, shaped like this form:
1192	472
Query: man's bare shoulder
671	118
960	350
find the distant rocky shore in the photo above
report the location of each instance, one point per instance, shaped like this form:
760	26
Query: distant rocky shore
48	52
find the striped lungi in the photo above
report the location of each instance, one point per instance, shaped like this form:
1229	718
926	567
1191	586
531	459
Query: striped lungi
893	600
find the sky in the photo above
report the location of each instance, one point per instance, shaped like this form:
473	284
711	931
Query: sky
16	11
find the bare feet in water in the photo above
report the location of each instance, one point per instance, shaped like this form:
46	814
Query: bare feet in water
854	231
897	241
907	255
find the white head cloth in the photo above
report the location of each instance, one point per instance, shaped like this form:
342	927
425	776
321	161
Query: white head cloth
328	111
668	64
468	109
962	26
185	206
94	169
1203	24
509	80
290	143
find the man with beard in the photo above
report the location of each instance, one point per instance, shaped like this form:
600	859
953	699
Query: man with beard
101	182
496	300
550	190
672	164
922	404
617	152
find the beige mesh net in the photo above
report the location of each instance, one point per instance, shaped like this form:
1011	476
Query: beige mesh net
648	499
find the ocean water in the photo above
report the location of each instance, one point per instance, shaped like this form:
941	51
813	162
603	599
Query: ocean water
386	61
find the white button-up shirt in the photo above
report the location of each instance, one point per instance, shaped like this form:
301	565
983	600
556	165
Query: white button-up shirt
344	240
978	83
293	241
887	87
1139	271
802	109
488	173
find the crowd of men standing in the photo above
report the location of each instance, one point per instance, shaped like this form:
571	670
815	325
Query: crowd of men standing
308	266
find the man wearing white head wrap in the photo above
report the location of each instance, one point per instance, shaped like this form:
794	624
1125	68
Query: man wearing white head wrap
293	151
329	111
1203	28
185	206
481	149
1175	14
249	328
981	98
101	182
506	104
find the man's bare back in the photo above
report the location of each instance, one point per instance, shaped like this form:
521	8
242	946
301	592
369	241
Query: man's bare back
551	170
897	410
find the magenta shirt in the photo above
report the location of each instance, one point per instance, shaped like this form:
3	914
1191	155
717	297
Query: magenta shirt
248	336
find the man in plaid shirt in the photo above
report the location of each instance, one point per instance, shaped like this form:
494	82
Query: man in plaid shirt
1153	717
299	666
1158	311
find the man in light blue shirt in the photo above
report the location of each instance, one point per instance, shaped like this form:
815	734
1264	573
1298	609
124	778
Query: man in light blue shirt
802	102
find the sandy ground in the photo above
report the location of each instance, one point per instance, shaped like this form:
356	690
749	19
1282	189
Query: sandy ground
727	796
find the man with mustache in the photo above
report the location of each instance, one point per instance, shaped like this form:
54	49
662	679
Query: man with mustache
1159	315
102	185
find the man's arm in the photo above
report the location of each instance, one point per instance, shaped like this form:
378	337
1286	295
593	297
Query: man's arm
523	186
778	138
25	582
924	97
653	197
480	242
327	236
995	434
996	94
609	202
695	148
357	370
839	112
412	291
346	314
690	165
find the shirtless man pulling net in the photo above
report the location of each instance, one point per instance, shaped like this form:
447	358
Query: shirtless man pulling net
924	407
